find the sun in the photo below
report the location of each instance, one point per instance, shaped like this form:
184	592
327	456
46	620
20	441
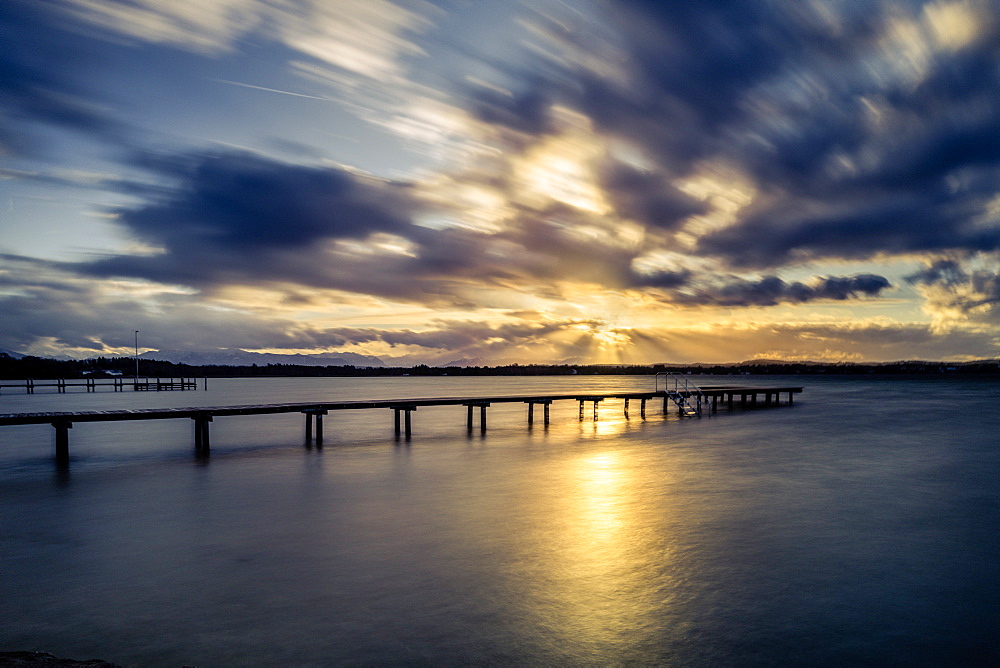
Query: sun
611	337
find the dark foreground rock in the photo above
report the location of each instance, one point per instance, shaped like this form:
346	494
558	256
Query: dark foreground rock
45	660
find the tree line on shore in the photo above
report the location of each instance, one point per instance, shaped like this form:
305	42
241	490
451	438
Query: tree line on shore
103	367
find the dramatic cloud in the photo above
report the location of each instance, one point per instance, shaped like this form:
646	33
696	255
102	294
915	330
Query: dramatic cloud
959	292
798	230
772	290
35	92
53	312
648	198
863	132
241	217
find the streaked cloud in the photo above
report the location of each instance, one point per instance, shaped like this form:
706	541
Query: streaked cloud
626	180
366	37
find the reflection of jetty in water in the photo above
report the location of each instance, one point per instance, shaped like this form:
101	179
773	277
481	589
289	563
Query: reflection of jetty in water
689	400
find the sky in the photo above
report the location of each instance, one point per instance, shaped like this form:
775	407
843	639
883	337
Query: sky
555	181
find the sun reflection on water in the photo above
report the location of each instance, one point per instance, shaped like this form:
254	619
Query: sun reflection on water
594	590
607	424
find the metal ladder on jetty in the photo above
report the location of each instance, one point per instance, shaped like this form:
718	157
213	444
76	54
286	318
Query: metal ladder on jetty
682	392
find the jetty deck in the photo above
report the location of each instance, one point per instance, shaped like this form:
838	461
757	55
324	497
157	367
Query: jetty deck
689	402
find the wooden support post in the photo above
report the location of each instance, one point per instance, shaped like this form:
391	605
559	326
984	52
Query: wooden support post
202	443
790	394
62	428
406	410
482	415
767	399
314	416
642	409
665	404
531	411
594	401
715	403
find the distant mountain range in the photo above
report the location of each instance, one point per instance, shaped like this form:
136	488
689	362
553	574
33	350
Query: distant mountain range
243	358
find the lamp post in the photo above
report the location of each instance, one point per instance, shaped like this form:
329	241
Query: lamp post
137	357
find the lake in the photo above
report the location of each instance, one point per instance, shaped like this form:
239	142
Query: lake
857	526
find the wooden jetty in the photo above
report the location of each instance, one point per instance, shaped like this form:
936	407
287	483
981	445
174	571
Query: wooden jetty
117	384
690	402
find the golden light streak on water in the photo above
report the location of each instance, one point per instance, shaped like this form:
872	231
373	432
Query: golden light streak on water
592	588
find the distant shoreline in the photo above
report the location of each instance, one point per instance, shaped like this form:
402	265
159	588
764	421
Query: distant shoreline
42	368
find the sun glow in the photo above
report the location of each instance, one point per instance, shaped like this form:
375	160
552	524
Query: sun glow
561	169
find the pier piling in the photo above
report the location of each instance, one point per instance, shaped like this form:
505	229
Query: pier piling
202	443
62	428
593	400
314	415
545	403
406	409
482	405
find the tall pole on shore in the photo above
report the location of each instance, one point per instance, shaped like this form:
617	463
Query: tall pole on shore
137	356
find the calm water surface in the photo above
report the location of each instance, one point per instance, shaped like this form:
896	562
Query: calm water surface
857	527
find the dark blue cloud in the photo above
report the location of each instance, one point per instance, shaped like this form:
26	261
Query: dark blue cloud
527	112
244	201
235	216
662	279
792	230
40	66
647	197
772	290
942	271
